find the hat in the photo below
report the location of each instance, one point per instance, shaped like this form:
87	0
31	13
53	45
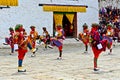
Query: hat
11	29
85	25
18	26
32	26
59	25
94	25
44	28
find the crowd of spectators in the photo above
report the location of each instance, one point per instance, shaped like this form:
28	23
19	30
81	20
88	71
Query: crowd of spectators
109	15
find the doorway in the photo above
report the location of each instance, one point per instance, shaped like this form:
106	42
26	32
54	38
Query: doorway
67	27
68	22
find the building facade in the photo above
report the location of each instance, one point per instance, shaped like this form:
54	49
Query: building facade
71	14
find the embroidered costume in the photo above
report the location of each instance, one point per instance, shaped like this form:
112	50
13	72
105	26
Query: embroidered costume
58	40
10	40
22	46
29	45
109	37
45	37
32	38
97	43
84	37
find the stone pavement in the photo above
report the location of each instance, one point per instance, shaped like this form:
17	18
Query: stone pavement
74	66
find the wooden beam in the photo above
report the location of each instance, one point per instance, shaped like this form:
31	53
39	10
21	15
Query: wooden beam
62	5
1	7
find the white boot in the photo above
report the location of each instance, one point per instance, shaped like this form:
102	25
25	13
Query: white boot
20	69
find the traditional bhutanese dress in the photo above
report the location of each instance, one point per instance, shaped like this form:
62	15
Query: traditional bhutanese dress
58	40
33	36
98	45
85	36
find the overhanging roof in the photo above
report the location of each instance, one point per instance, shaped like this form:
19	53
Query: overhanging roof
63	8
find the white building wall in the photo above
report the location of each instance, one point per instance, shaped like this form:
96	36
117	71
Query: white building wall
29	13
91	16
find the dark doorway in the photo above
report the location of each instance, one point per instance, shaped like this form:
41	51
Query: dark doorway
67	27
69	33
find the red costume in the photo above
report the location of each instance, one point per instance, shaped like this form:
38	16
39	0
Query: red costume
46	37
84	37
10	40
110	35
58	40
22	46
33	36
98	45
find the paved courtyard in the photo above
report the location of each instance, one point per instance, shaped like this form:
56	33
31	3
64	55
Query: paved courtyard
75	65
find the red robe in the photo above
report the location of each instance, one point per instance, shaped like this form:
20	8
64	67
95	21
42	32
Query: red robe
95	41
22	46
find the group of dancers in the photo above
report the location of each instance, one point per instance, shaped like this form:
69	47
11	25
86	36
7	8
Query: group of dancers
20	41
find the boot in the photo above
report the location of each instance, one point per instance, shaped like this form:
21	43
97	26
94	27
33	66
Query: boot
33	55
20	69
59	58
34	50
49	46
60	55
96	69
